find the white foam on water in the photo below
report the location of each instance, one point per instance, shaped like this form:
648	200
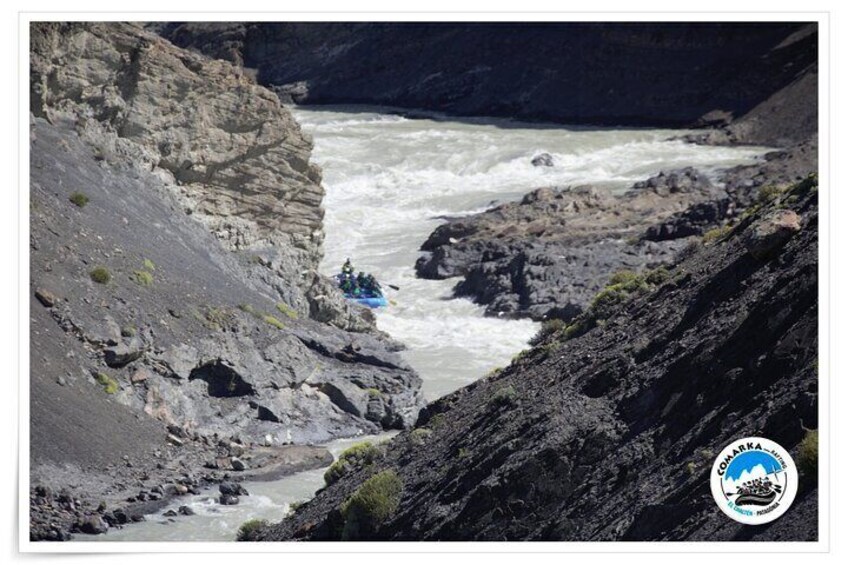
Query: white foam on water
388	179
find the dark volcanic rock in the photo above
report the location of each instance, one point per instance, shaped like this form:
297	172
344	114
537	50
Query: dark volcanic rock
543	160
610	73
611	434
742	186
550	253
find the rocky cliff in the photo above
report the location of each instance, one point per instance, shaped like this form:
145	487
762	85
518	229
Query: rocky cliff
607	429
177	320
669	74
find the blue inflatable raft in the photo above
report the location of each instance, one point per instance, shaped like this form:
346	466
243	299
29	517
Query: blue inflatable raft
370	301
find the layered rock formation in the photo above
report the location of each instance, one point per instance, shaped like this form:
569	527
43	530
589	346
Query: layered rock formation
176	226
608	430
670	74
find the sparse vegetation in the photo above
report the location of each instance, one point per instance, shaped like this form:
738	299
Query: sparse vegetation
493	373
716	234
269	319
504	396
287	310
144	278
435	421
247	308
769	193
657	276
128	331
216	318
110	385
374	393
149	265
463	453
549	328
247	530
294	506
100	275
691	467
78	199
419	436
354	457
371	505
808	454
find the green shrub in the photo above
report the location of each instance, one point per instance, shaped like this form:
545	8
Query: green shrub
287	310
657	276
435	421
247	308
247	530
269	319
143	278
504	396
549	328
768	193
493	373
354	457
716	234
371	504
808	454
606	302
79	199
463	453
624	277
110	385
296	505
419	436
128	331
374	393
100	275
149	265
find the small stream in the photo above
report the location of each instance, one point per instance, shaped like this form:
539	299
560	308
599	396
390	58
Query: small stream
390	180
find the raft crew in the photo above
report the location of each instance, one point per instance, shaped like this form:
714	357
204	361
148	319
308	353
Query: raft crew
360	286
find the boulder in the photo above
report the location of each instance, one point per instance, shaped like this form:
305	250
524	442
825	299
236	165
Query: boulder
767	236
122	355
543	160
232	489
228	500
47	298
93	525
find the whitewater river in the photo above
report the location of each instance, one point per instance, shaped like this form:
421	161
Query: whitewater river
389	180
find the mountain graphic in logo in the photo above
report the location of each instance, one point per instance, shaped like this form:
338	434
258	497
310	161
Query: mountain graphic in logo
754	478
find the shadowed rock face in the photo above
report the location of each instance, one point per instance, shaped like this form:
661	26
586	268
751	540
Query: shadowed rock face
611	435
677	74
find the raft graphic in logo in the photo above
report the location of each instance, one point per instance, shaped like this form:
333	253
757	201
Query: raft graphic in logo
754	480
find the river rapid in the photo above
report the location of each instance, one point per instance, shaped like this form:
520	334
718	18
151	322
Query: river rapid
390	180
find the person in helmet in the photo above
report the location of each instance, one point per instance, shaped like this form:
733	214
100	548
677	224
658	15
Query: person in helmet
362	283
347	268
373	286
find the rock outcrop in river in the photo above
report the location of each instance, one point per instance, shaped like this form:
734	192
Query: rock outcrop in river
660	74
607	429
548	254
176	228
